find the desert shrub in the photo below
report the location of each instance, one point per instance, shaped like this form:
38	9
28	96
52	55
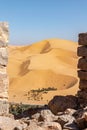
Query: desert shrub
37	94
20	110
44	89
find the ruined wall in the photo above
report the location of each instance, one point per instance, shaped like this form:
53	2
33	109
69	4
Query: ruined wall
4	33
82	66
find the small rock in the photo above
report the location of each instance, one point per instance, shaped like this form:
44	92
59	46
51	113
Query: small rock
51	126
48	116
45	115
70	111
67	121
82	121
35	116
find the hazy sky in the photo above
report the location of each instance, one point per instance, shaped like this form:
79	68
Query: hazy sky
35	20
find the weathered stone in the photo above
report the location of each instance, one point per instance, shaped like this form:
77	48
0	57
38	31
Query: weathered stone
50	126
67	121
35	116
7	123
3	56
33	126
82	98
69	111
4	33
45	115
4	107
82	63
82	94
82	39
61	103
82	51
3	69
82	121
3	82
25	120
82	74
4	96
48	116
3	63
83	85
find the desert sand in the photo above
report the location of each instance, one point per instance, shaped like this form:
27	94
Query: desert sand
49	63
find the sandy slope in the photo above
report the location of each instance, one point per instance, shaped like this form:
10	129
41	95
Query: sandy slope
49	63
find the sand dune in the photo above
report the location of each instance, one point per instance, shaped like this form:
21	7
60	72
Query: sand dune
49	63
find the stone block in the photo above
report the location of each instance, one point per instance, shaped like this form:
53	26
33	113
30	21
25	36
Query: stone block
83	85
4	82
4	96
3	85
3	56
82	94
82	98
82	63
82	39
4	107
4	34
82	51
82	74
3	69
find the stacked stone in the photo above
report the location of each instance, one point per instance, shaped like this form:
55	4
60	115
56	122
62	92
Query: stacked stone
4	33
82	66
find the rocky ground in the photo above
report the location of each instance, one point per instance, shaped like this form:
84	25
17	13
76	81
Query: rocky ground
61	113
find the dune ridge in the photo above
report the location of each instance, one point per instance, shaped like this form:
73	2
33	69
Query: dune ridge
49	63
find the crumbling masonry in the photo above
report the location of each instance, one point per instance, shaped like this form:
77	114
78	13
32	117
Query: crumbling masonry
4	33
82	66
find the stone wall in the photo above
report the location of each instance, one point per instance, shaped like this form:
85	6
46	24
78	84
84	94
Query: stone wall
4	33
82	66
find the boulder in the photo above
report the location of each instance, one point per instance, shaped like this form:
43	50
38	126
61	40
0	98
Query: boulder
61	103
82	39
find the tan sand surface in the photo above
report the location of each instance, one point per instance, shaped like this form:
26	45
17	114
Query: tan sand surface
47	64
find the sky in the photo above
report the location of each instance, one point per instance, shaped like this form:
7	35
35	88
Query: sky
35	20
